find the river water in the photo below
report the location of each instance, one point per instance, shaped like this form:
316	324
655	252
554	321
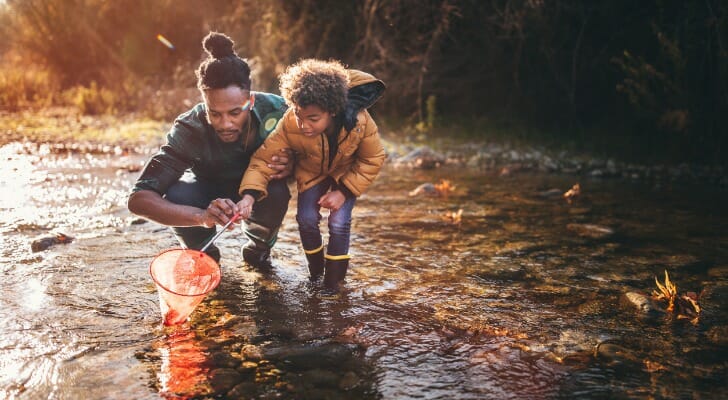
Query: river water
523	298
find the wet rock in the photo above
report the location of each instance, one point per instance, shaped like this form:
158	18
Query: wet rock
426	189
592	307
280	329
615	353
642	302
504	273
307	358
224	360
247	367
244	390
321	377
216	342
590	230
573	341
577	359
551	193
422	157
512	168
251	352
718	272
718	335
349	381
43	243
223	380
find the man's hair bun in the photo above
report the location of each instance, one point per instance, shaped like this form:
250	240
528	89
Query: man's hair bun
218	45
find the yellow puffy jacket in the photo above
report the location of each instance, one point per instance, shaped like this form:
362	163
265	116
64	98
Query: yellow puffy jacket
357	162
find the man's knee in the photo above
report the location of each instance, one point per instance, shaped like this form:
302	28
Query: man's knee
278	191
187	193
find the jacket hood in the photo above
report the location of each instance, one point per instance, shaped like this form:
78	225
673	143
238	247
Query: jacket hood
364	89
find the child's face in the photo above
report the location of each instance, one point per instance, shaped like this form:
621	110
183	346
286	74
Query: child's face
312	120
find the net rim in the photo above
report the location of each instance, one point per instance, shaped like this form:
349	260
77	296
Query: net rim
190	250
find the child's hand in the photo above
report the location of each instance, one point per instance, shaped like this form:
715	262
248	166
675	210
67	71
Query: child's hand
245	206
332	200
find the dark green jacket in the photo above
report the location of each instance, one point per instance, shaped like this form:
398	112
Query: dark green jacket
192	145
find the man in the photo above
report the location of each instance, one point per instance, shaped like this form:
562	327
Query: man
191	184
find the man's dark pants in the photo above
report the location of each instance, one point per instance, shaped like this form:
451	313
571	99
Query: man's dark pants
261	228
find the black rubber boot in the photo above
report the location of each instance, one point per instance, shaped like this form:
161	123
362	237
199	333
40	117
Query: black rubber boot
260	240
213	252
315	263
257	257
335	272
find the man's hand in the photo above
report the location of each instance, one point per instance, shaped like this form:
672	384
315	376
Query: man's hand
219	212
283	163
332	200
245	206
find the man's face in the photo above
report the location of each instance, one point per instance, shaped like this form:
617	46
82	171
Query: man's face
312	120
228	111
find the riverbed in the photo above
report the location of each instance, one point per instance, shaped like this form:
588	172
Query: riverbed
499	289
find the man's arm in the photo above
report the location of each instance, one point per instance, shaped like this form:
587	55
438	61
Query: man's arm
151	205
283	163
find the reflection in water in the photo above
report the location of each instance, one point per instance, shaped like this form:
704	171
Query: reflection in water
183	372
519	295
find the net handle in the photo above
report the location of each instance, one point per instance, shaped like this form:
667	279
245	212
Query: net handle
224	228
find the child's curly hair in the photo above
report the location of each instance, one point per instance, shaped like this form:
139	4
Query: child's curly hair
316	82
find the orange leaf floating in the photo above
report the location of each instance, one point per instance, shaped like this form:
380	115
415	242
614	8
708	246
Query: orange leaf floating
666	292
572	193
444	188
685	306
455	217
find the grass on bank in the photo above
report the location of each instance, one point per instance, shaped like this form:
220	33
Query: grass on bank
66	126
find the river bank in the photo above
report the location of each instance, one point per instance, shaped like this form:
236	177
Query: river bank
62	130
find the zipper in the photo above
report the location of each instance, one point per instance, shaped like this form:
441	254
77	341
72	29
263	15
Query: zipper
323	158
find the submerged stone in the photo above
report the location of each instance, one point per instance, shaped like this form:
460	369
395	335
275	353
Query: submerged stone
349	381
590	230
616	353
718	335
223	380
642	302
45	242
306	358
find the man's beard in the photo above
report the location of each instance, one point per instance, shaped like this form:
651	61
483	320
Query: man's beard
229	135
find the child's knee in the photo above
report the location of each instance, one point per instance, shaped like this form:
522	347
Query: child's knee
308	220
341	225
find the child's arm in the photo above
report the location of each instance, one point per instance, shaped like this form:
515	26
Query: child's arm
369	159
259	173
245	206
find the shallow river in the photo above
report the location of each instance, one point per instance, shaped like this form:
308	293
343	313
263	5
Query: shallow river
524	298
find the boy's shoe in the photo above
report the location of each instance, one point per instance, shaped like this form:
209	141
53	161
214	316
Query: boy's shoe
315	263
335	272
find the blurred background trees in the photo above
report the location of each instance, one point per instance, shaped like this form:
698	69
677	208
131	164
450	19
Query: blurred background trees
648	75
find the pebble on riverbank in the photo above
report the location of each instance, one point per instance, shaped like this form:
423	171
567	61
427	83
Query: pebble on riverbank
504	161
43	243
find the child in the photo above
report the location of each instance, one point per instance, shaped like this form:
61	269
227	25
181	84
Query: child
338	155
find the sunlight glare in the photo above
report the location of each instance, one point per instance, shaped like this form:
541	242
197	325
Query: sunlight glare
165	41
34	294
